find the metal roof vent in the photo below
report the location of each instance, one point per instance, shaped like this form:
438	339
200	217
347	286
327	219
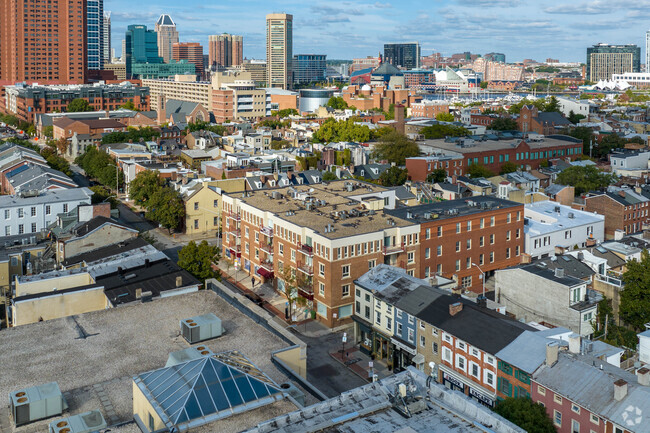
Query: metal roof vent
200	328
87	422
37	402
189	354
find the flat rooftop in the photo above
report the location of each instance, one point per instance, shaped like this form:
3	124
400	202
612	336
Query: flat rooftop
548	216
332	204
94	356
473	146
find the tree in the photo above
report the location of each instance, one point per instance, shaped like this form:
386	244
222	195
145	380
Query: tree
484	84
345	130
508	167
525	413
198	259
437	175
635	299
582	133
329	176
337	103
279	144
445	117
584	179
129	105
552	105
394	176
285	112
441	131
504	124
48	131
144	186
395	148
166	208
575	118
78	105
478	170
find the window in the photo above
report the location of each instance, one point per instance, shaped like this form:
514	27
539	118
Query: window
507	253
389	323
411	335
509	218
469	226
460	345
488	377
457	227
398	313
215	203
439	231
492	239
21	213
321	269
21	229
475	370
345	290
481	241
367	312
65	207
490	360
508	235
557	418
557	399
427	253
469	244
491	256
293	255
411	319
439	250
33	211
196	224
372	264
14	261
482	223
357	307
541	390
345	271
423	341
466	282
460	362
468	262
7	230
594	419
321	289
458	265
575	409
410	257
481	259
446	354
377	303
492	221
434	348
399	329
427	233
8	213
447	337
457	246
33	227
422	326
575	426
476	353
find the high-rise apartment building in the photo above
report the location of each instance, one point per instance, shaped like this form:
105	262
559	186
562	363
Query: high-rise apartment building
141	46
604	60
225	50
406	56
495	57
167	36
190	51
279	50
308	68
257	68
106	39
94	33
60	57
647	51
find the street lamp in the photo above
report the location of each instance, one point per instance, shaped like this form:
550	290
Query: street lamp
482	277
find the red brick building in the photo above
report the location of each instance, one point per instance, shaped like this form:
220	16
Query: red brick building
43	41
623	210
482	119
428	108
531	120
190	51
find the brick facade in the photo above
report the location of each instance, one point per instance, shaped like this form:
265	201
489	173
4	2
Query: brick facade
618	216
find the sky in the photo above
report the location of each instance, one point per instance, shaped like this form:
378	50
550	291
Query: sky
345	29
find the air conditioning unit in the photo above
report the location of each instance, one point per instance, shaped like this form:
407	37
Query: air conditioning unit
87	422
37	402
200	328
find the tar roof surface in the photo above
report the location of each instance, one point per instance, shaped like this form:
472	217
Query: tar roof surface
107	251
120	343
493	145
337	199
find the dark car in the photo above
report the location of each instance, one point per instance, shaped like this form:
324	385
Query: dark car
254	297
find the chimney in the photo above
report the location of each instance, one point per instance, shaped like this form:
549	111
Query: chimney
559	272
643	376
620	389
525	258
552	351
559	250
591	242
455	308
138	293
179	281
574	342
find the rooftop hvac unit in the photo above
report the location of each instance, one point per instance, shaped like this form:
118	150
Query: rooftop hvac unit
37	402
201	328
294	392
87	422
189	354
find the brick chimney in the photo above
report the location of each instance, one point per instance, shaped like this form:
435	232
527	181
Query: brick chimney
591	242
643	376
620	389
525	258
455	308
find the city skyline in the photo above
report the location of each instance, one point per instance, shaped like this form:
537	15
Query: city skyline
345	30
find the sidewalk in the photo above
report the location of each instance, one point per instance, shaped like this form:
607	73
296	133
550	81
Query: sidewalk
359	363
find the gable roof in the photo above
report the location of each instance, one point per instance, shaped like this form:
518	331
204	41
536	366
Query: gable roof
552	118
174	106
208	388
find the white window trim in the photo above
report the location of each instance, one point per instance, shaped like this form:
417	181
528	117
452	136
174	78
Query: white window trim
459	356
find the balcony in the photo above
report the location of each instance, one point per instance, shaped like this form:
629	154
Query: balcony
395	249
267	248
305	287
235	250
234	216
306	250
267	264
267	231
305	268
234	232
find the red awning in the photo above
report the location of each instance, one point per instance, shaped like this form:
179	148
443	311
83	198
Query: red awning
234	253
266	274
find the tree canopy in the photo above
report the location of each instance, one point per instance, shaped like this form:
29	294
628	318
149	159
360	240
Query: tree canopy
437	175
100	166
479	170
445	117
575	118
395	148
508	167
344	130
166	208
525	413
129	105
552	104
635	299
144	186
337	103
442	131
200	125
147	133
198	259
286	112
504	124
78	105
394	176
329	176
584	179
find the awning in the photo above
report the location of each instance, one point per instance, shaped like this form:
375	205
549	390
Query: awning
266	274
418	359
235	253
404	346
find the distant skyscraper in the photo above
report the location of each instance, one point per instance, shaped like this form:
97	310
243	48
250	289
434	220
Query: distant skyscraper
647	51
94	33
23	59
308	68
604	60
495	57
279	50
106	38
141	46
406	56
167	36
190	51
225	50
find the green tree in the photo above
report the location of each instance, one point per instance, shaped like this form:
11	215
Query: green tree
552	105
100	166
575	118
285	112
437	175
48	131
198	259
345	130
441	131
478	170
329	176
395	148
337	103
525	413
280	144
394	176
55	161
129	105
484	84
635	299
582	133
166	208
445	117
584	179
504	124
508	167
144	186
78	105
